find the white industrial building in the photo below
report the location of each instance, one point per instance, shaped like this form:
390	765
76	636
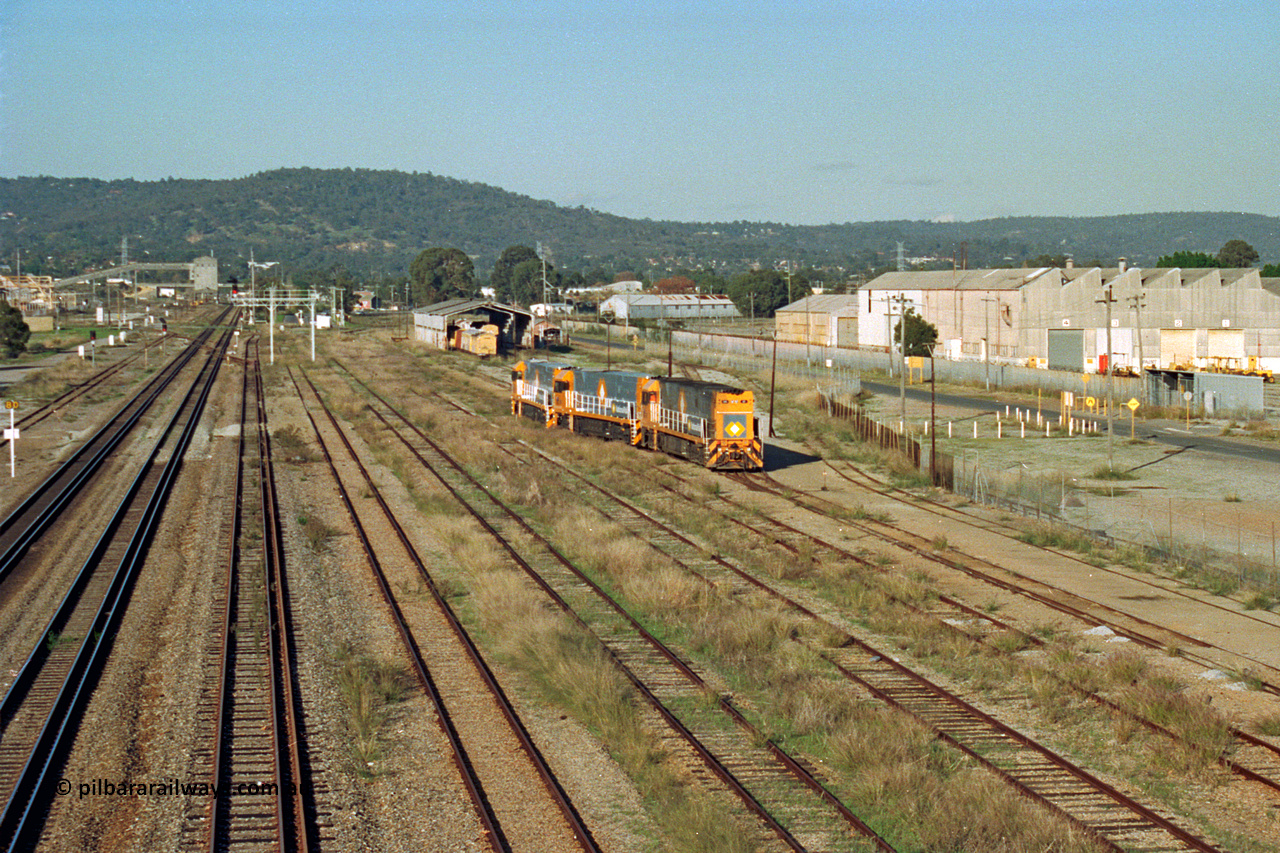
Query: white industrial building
629	307
1201	319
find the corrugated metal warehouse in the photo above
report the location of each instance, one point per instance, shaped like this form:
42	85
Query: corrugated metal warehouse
668	306
438	324
1185	318
823	320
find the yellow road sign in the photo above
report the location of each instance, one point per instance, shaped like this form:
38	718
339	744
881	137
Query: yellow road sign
1133	404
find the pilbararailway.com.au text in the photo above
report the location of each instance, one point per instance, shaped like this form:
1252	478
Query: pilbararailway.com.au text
167	788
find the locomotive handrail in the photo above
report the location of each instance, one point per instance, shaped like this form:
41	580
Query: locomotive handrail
593	405
533	393
681	422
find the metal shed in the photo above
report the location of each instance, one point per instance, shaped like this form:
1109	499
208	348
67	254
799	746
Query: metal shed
437	324
1211	393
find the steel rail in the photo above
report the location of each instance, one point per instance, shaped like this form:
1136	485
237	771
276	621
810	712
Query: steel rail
941	694
22	819
527	745
39	509
27	672
288	731
458	752
999	529
792	766
1223	759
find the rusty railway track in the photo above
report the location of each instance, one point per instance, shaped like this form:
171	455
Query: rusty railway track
1125	624
1262	766
1117	820
773	784
464	758
42	709
256	764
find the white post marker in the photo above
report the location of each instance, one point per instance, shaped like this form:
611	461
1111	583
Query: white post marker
11	434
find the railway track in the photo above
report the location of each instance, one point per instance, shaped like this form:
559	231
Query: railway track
783	793
1036	771
1248	756
29	520
73	393
1138	630
518	800
44	704
256	766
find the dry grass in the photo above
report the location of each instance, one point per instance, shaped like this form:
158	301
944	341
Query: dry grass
1268	726
369	688
576	674
290	445
316	533
892	767
42	385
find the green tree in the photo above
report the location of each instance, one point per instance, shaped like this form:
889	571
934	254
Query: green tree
525	286
1188	260
919	336
438	274
1039	261
1271	271
501	277
1237	253
763	292
14	331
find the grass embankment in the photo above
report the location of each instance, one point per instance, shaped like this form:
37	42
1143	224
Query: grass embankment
920	795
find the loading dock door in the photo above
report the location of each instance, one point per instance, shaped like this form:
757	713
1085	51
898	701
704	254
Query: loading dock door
1066	349
846	331
1226	347
1177	348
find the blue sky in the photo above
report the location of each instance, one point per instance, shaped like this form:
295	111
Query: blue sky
800	112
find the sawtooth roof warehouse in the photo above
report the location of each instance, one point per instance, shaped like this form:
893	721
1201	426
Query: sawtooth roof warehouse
1057	318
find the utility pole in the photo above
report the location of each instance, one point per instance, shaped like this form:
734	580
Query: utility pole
1137	304
933	424
1108	299
773	379
901	299
986	341
313	296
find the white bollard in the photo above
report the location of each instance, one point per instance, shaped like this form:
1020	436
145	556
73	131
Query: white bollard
1046	429
1071	427
948	429
1023	428
975	429
999	429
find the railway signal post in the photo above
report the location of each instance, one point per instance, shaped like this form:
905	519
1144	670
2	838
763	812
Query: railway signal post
12	435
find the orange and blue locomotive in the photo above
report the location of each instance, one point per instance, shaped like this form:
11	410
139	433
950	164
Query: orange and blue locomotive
710	423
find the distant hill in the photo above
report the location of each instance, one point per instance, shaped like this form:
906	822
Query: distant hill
366	223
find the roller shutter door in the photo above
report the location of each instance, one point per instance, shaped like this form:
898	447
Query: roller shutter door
1226	346
1177	347
1066	349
